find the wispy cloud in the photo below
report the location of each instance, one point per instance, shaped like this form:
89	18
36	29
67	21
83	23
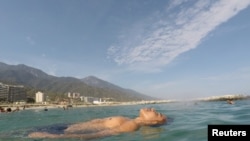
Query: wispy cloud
177	30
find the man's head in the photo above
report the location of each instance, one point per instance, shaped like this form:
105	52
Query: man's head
150	117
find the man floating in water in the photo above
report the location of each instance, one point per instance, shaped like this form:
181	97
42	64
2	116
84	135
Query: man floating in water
107	126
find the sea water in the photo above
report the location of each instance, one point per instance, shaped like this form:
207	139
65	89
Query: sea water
188	121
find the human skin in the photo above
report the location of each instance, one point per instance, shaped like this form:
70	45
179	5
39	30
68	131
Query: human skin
107	126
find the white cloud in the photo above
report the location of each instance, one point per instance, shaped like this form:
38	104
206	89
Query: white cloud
176	3
154	45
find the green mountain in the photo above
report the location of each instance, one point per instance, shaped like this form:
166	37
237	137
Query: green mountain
35	79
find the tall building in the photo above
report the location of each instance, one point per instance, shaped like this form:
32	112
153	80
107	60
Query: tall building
12	93
40	97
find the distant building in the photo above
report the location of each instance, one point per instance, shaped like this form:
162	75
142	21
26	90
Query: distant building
40	97
73	95
101	100
12	93
87	99
95	100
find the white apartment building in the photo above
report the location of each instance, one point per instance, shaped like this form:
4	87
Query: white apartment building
40	97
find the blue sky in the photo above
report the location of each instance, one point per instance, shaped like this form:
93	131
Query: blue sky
178	49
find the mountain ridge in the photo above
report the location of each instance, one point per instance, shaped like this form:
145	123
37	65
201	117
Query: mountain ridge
97	82
38	80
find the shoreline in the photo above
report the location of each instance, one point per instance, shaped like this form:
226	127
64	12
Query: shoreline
76	105
53	106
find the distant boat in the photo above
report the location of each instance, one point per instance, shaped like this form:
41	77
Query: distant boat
45	109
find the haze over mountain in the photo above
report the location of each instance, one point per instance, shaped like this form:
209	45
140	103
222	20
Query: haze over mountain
89	86
99	83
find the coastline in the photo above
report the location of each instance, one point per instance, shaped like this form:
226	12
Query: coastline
64	106
51	106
